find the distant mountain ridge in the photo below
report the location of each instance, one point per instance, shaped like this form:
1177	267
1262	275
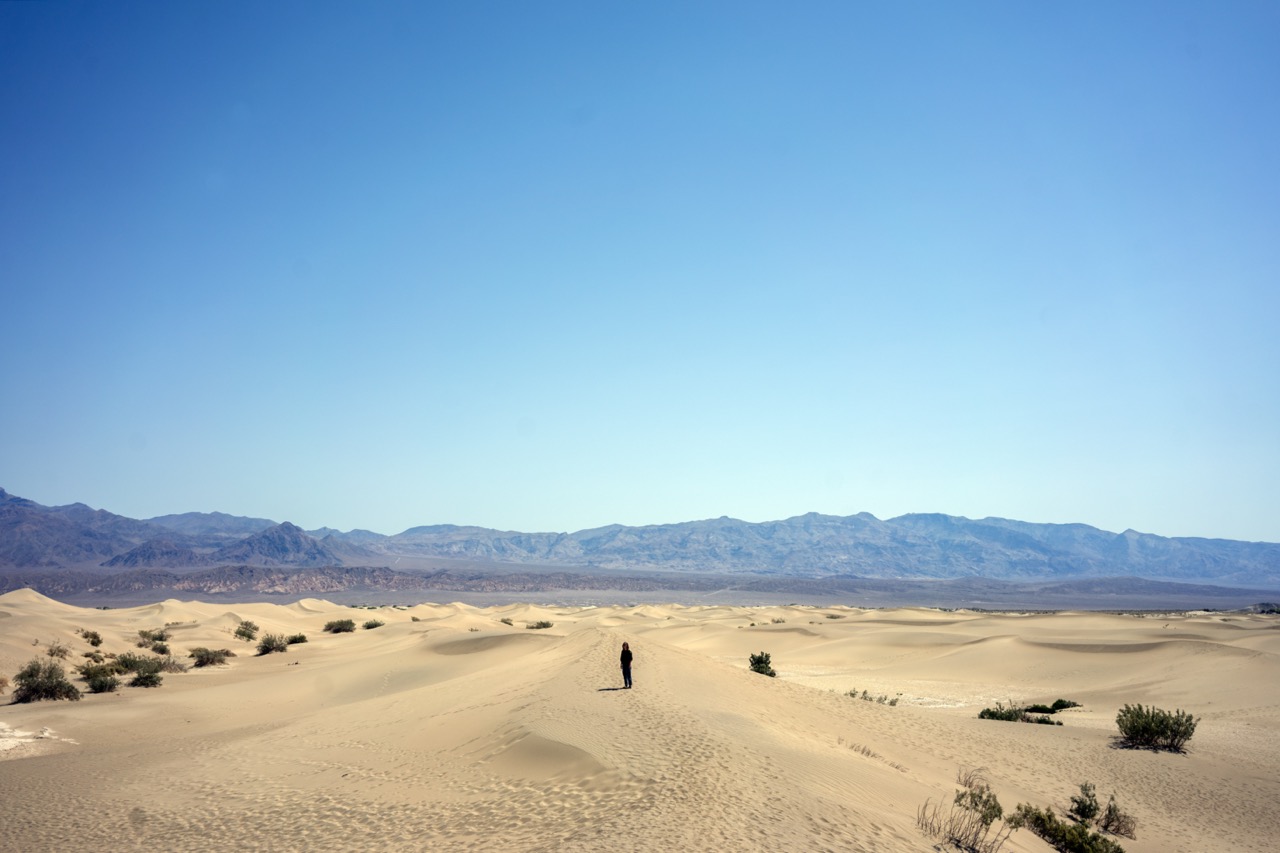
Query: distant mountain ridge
805	546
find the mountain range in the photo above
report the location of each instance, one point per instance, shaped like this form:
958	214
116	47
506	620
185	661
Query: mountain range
916	546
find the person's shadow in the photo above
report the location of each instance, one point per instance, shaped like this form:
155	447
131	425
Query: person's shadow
604	689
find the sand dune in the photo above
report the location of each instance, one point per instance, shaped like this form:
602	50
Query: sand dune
446	729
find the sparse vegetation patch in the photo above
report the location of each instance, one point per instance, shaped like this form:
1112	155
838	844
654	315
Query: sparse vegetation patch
272	643
1012	713
247	631
340	626
93	638
1153	728
762	664
211	657
867	696
373	623
537	626
43	679
969	822
294	639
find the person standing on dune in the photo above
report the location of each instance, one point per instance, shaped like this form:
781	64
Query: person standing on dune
626	666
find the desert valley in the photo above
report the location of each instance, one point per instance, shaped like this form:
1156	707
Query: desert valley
451	727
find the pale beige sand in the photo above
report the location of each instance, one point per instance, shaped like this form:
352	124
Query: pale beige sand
428	735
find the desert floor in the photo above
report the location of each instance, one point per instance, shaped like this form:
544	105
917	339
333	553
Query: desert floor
446	729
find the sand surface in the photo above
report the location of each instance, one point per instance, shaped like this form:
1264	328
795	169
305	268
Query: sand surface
446	729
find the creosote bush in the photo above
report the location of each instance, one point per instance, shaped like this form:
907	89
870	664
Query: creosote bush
247	631
1153	728
340	626
762	664
1012	713
272	643
537	626
43	679
58	650
211	657
1067	837
93	638
101	678
506	620
373	623
970	821
294	639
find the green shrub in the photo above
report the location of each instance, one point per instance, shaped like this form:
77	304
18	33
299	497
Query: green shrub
160	648
340	626
762	664
777	621
1063	704
146	679
272	643
540	625
247	631
1084	807
506	620
294	639
211	657
172	664
93	638
1067	837
1153	728
130	662
1009	713
43	680
100	678
154	635
373	623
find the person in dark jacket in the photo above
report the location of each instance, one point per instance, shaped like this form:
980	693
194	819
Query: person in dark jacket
626	666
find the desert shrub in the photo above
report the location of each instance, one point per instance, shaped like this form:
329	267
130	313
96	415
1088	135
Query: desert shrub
146	679
130	662
247	631
1063	704
43	680
762	664
970	821
1009	713
373	623
777	621
414	619
93	638
211	657
1067	837
1084	807
160	648
1153	728
835	615
154	635
94	656
100	678
294	639
4	684
272	643
340	626
506	620
1118	822
539	625
57	650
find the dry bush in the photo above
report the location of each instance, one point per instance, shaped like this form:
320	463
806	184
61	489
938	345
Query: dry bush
1118	822
970	822
211	657
1153	728
41	679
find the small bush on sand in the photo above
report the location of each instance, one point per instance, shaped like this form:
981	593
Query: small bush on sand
777	621
762	664
211	657
1067	837
247	631
537	626
970	821
41	679
1084	807
160	648
294	639
172	664
146	637
100	678
272	643
146	679
1016	714
340	626
93	638
506	620
373	623
1153	728
57	650
4	684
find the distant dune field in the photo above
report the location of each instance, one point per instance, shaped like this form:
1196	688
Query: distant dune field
446	729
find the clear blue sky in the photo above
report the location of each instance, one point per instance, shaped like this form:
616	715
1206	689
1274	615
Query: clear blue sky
546	266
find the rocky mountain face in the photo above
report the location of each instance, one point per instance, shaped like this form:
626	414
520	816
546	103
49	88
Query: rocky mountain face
806	546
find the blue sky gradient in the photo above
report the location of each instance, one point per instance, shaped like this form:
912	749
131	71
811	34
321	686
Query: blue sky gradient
554	266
